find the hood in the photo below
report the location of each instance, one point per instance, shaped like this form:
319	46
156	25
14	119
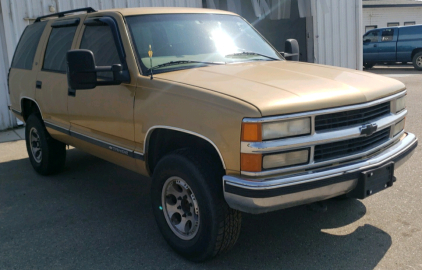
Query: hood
283	87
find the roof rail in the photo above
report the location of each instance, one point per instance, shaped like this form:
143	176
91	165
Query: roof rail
61	14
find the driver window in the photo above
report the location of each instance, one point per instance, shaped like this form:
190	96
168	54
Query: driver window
371	36
99	40
387	35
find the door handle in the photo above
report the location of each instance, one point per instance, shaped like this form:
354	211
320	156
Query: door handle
375	45
38	84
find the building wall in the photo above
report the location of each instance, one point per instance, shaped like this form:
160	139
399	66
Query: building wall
382	16
337	33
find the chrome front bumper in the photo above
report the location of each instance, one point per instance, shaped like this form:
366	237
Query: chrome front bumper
264	195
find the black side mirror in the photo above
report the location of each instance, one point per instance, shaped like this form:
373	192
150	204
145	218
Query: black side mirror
291	50
367	40
82	71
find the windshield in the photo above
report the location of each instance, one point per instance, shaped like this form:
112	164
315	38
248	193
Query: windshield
192	40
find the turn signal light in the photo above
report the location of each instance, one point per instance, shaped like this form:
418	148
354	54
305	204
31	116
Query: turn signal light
251	162
251	132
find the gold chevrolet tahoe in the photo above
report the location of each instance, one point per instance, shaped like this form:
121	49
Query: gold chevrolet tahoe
201	102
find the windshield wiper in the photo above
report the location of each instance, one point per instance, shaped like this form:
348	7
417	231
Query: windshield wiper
174	63
252	54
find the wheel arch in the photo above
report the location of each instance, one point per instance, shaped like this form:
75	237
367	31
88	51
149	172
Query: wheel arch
181	138
29	106
415	51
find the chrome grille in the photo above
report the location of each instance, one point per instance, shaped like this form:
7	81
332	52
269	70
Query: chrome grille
349	147
350	118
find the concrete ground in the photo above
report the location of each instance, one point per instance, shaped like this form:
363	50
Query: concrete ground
96	215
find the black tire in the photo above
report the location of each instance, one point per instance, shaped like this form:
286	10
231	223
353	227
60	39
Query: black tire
417	61
368	65
219	225
52	155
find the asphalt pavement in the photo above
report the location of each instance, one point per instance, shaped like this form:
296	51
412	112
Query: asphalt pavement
96	215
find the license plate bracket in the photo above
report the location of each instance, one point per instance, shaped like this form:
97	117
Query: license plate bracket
374	181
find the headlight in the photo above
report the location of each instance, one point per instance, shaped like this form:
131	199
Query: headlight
399	127
288	128
286	159
400	104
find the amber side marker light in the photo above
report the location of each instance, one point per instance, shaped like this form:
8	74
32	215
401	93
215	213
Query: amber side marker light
251	162
251	132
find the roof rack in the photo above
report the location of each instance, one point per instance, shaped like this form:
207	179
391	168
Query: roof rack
61	14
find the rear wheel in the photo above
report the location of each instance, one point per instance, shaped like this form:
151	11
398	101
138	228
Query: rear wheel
189	206
417	61
46	154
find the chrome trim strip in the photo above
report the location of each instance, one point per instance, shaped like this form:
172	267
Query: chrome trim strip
97	142
39	108
283	181
149	132
325	111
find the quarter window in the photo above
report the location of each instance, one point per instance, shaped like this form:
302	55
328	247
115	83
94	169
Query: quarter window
59	43
387	35
27	47
100	40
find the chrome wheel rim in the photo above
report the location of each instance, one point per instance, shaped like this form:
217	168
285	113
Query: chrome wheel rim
180	208
35	144
419	61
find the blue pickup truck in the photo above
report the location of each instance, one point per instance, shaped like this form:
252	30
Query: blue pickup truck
393	44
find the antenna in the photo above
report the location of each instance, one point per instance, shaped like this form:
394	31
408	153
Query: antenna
150	58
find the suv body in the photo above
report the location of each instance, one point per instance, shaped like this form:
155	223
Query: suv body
254	133
393	44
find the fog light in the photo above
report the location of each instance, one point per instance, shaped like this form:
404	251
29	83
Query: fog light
399	127
286	159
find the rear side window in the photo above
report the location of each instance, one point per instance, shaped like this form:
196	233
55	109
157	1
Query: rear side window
387	35
99	40
59	43
25	52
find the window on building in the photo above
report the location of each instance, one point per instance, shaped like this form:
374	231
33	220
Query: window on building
370	27
27	46
387	35
391	24
59	42
409	23
99	40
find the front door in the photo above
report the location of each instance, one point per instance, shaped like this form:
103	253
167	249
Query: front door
370	46
102	118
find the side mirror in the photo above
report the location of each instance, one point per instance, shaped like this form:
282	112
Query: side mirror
82	71
367	40
291	50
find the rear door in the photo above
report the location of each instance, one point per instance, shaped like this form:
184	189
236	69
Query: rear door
51	85
370	46
387	46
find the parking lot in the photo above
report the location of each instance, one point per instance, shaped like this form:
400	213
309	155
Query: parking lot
96	215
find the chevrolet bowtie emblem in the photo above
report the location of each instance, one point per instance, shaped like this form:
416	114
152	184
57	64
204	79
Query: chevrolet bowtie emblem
368	130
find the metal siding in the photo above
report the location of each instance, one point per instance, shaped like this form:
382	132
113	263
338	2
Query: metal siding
336	33
382	16
17	14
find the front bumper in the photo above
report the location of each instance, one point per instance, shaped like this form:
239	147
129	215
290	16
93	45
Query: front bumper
252	196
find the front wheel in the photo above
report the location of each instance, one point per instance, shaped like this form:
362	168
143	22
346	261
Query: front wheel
417	61
189	206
